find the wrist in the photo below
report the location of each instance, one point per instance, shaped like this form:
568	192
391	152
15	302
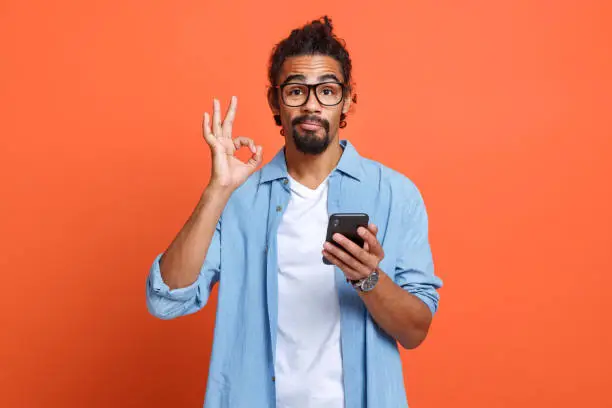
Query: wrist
215	197
215	190
362	277
368	283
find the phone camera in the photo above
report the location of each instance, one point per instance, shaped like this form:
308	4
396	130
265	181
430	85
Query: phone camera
336	223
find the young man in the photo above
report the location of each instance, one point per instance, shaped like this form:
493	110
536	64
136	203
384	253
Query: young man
292	331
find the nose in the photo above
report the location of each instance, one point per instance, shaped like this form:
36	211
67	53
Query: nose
312	104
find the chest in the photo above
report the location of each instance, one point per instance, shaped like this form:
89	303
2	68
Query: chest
271	222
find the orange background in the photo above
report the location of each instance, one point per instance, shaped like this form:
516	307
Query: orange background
499	111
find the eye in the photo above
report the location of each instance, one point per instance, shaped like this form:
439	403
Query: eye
329	91
294	90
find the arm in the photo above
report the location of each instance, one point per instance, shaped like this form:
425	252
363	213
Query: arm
180	265
180	280
404	306
399	313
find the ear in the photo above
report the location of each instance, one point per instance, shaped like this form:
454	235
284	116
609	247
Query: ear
348	99
273	101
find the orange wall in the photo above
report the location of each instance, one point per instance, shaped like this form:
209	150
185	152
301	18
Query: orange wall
499	111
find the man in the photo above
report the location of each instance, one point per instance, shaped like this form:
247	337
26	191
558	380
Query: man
290	330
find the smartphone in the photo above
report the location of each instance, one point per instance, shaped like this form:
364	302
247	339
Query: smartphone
346	224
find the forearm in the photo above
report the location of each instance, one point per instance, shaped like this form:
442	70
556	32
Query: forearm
181	262
399	313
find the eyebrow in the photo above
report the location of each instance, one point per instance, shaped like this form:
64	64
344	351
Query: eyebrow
300	77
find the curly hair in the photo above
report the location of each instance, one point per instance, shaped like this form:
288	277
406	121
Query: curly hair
314	38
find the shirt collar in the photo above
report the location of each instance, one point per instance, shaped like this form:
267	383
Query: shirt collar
350	164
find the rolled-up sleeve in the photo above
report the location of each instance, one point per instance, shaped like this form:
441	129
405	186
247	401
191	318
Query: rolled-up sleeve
166	303
414	269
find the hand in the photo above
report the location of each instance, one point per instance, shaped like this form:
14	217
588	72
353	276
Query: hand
355	262
227	170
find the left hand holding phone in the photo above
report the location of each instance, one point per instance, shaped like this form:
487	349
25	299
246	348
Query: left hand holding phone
356	262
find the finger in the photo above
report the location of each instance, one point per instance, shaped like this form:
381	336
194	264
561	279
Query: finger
354	250
372	227
349	272
208	136
370	238
244	141
217	119
355	263
255	160
229	118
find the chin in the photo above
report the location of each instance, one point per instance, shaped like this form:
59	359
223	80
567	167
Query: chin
310	142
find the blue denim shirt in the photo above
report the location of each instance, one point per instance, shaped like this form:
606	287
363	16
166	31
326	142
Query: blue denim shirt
242	257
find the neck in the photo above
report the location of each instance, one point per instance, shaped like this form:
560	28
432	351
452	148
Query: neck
311	170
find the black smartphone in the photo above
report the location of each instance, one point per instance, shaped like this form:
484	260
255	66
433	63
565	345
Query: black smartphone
346	224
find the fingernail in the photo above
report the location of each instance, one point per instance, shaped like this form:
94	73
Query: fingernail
360	231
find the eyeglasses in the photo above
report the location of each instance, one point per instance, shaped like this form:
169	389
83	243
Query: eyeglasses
296	94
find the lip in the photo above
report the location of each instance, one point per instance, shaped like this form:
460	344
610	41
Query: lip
310	125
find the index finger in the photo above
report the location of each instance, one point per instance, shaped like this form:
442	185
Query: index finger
229	118
351	247
208	136
368	236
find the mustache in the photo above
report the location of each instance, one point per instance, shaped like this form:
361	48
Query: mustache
310	118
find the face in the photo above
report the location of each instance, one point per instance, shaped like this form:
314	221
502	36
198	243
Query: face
313	125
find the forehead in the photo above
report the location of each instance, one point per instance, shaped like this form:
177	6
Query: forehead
311	66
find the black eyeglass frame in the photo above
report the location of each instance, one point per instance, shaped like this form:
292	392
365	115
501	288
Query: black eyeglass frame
310	88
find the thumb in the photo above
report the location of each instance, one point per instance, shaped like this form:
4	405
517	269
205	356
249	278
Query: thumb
256	158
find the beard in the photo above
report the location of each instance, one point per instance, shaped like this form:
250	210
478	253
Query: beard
307	141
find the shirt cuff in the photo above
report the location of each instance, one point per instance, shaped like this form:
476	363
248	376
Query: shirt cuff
431	303
158	287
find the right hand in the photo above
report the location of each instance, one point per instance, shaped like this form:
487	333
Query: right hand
227	170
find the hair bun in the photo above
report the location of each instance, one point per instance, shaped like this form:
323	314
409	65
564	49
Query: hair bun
328	23
325	22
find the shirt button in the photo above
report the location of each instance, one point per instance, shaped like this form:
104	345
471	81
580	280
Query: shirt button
273	378
285	181
278	208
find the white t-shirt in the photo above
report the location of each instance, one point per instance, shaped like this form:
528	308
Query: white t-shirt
308	366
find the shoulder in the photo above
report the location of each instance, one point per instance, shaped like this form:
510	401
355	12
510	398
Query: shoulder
388	178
